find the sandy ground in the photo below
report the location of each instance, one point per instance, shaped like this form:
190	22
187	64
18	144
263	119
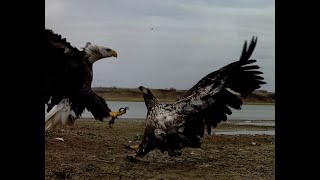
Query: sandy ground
92	150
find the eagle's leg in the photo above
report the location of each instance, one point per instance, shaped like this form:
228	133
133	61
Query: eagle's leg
111	122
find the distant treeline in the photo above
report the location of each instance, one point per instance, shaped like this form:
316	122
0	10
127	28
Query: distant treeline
171	94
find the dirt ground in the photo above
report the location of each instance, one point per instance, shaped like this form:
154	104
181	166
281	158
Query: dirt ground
92	150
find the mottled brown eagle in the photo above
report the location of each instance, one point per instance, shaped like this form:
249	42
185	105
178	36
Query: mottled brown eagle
68	76
171	127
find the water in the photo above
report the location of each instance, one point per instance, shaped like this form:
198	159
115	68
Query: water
262	115
138	110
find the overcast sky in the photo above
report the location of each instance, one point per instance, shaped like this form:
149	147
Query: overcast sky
166	43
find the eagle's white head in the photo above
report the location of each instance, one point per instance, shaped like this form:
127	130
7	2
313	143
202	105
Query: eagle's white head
95	52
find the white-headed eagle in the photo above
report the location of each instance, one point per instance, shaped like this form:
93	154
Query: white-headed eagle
171	127
68	77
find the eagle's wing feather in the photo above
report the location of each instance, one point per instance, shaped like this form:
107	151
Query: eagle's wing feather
62	47
86	98
209	100
60	60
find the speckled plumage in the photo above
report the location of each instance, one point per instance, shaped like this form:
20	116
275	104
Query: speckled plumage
171	127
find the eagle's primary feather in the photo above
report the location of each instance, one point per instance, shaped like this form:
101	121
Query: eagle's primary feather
171	127
68	76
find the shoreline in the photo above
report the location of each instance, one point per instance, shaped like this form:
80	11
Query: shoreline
170	95
172	100
231	127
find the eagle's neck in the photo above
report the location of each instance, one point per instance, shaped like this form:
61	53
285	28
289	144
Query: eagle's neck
93	53
150	101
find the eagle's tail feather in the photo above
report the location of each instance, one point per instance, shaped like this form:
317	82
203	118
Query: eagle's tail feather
60	114
53	111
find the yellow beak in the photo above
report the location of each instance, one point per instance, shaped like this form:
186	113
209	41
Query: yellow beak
114	53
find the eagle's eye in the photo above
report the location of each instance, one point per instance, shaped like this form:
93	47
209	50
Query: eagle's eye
108	50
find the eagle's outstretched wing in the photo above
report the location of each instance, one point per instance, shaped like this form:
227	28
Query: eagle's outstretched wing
61	65
208	102
55	41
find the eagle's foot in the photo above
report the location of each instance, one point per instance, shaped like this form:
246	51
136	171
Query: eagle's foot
136	148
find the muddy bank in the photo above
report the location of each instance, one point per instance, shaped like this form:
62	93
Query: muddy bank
170	95
91	150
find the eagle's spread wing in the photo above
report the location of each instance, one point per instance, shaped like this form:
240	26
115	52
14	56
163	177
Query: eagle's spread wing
55	41
61	65
208	102
171	127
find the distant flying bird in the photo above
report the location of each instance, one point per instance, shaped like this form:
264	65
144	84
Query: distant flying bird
171	127
68	76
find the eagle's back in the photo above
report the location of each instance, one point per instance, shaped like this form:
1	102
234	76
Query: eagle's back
165	119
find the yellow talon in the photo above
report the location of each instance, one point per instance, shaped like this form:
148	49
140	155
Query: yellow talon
133	155
135	147
114	114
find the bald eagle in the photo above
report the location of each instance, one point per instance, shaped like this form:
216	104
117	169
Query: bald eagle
68	77
171	127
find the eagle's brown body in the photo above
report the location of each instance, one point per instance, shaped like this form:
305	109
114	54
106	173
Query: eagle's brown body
171	127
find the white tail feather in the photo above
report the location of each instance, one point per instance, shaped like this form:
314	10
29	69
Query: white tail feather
59	115
48	125
53	111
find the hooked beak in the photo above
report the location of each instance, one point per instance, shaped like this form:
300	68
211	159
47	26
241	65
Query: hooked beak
143	89
114	54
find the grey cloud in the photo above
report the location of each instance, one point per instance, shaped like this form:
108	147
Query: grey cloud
189	39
